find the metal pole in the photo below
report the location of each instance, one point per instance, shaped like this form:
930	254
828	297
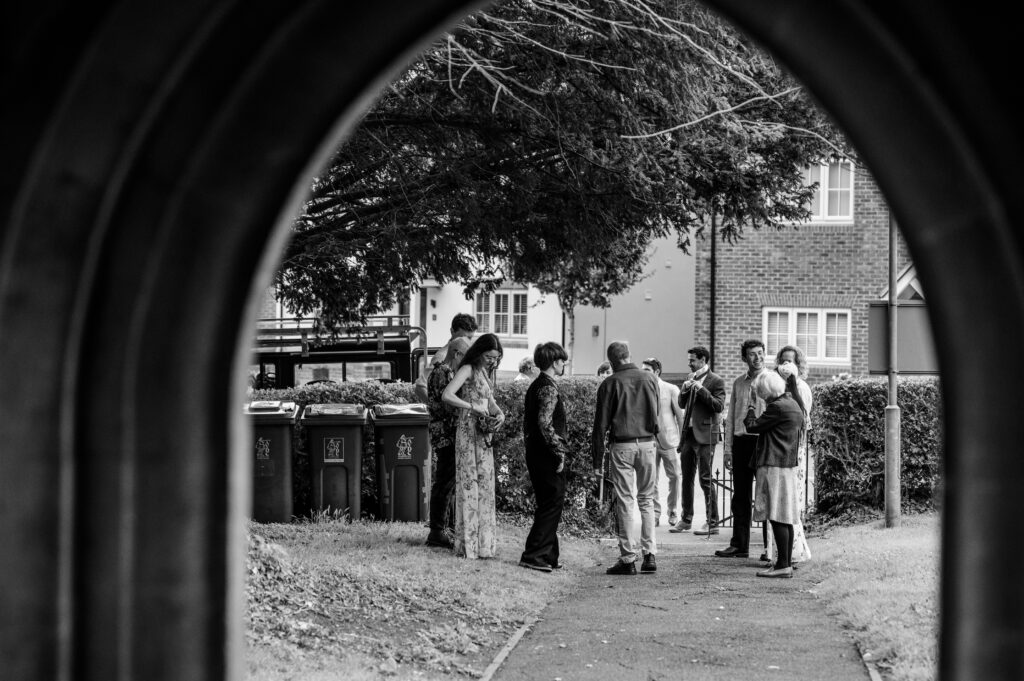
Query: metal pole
892	411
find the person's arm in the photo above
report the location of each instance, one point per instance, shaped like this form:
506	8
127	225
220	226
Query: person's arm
677	411
600	428
713	396
730	416
768	419
548	397
451	396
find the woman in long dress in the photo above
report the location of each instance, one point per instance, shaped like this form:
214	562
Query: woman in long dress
792	365
470	391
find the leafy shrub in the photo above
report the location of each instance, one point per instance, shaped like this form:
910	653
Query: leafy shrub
848	439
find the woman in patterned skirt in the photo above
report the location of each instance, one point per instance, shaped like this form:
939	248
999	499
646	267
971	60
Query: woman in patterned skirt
479	416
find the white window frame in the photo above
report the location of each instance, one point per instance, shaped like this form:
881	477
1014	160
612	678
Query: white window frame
833	187
498	313
788	336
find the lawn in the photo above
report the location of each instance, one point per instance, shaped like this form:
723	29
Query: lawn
367	600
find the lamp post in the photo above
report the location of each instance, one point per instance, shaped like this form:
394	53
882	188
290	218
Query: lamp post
892	411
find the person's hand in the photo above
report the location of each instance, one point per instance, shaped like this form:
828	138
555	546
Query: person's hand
688	384
787	369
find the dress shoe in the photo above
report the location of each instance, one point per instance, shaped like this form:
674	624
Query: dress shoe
785	573
439	540
673	519
650	564
706	530
556	566
536	565
680	527
621	568
731	552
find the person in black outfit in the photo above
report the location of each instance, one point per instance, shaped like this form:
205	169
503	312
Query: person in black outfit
544	435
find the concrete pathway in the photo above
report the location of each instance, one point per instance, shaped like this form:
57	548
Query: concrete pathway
699	618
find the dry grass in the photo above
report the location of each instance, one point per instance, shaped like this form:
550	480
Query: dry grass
368	600
884	585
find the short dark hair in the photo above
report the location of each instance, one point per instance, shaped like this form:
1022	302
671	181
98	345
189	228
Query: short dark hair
618	353
464	322
545	354
603	367
749	344
700	352
654	364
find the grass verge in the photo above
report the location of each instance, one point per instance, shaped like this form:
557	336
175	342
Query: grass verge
883	585
368	600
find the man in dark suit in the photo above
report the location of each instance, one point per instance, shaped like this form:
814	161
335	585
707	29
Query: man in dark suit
702	397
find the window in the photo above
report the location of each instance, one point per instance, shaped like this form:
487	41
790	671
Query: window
833	199
823	335
502	313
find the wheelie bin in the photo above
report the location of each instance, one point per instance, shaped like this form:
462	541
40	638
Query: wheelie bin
403	460
273	430
334	437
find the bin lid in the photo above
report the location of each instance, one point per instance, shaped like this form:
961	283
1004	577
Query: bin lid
349	413
272	410
415	411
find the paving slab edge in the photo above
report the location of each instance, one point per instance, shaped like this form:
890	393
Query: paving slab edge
513	641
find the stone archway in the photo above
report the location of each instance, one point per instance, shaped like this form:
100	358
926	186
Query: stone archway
152	154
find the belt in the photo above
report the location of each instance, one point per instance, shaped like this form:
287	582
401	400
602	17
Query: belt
637	440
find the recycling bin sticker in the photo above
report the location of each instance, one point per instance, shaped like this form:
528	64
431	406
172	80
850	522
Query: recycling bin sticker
334	449
404	447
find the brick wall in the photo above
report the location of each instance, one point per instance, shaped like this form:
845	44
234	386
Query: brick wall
810	265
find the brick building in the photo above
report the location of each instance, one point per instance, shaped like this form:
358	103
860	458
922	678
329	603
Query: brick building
809	284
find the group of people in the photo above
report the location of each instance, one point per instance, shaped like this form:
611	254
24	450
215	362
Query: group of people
463	417
641	424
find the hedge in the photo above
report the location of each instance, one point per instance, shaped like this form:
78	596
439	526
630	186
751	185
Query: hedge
848	440
514	491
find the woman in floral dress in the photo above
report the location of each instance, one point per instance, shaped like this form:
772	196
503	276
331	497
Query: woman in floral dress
792	365
479	415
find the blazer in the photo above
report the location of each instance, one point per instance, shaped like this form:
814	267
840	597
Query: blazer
778	432
704	414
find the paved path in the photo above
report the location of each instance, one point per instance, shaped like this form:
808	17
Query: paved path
698	618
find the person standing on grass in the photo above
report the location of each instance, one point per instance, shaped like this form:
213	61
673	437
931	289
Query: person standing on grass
670	425
778	429
702	398
441	428
739	448
627	411
479	416
544	436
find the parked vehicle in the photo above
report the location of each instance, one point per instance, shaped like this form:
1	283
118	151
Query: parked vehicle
291	352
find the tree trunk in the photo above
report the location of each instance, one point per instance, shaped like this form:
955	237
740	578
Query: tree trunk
570	313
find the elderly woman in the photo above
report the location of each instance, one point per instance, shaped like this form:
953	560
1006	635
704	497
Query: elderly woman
791	364
775	460
544	434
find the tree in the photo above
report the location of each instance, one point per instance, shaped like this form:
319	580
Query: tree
548	142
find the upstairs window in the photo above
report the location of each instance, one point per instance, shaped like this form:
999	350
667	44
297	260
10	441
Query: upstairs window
823	334
503	313
833	198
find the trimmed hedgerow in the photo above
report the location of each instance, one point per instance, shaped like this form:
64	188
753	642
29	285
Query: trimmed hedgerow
848	439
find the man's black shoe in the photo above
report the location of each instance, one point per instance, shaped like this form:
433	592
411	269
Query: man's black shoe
439	540
650	565
731	552
535	565
556	566
621	568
